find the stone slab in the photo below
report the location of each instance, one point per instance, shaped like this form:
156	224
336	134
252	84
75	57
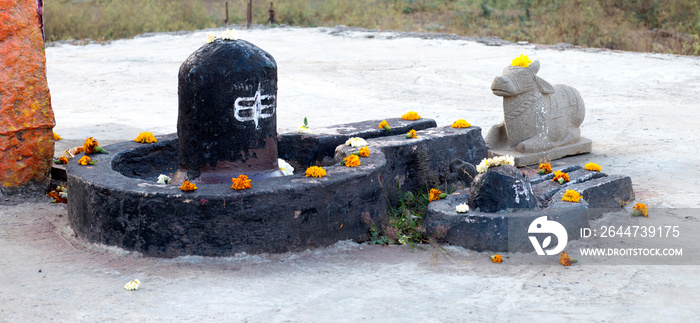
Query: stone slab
423	162
582	146
290	213
498	232
311	149
604	194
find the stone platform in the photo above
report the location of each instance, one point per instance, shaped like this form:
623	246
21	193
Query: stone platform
582	146
507	231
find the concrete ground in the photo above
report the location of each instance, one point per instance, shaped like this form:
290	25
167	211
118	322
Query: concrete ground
641	115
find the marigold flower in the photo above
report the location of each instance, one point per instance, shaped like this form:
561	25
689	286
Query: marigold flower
85	160
364	151
133	285
436	195
564	259
545	168
91	146
640	209
592	167
522	61
58	195
410	115
384	125
496	259
352	161
560	177
411	134
187	186
241	182
315	171
461	123
56	137
146	138
62	160
571	196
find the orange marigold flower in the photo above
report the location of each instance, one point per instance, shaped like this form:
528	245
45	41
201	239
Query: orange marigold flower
545	168
461	123
496	259
146	138
592	167
384	125
571	196
564	259
56	137
62	160
352	161
411	134
560	177
85	160
315	171
187	186
241	182
364	151
640	209
435	195
91	146
410	115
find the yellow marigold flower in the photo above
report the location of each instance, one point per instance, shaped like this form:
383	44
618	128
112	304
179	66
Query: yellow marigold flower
496	259
592	167
56	137
564	259
63	159
91	146
545	168
522	61
560	177
315	171
436	195
384	125
364	151
410	115
352	161
640	209
187	186
146	138
461	123
85	160
571	196
411	134
241	182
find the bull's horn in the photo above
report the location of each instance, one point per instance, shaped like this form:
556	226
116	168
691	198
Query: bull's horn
535	66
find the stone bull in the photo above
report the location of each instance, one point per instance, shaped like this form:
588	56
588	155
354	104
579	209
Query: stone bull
538	116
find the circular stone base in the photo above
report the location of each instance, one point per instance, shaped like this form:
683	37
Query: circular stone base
118	202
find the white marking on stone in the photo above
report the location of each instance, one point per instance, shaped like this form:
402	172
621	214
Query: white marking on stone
257	109
520	190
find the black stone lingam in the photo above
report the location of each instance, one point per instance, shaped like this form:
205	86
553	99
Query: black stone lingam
227	118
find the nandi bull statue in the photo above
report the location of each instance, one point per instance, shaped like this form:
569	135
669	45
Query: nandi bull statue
541	121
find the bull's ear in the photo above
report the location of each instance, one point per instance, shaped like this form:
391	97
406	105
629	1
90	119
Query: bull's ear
544	86
535	66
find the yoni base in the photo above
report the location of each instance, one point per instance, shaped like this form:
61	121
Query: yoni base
582	146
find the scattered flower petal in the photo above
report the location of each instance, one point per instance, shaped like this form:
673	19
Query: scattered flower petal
356	142
56	137
133	285
564	259
410	115
352	161
303	129
146	138
364	152
592	167
211	37
462	208
229	35
497	259
241	182
411	134
571	196
285	167
436	195
545	168
384	125
560	177
640	209
461	123
187	186
163	179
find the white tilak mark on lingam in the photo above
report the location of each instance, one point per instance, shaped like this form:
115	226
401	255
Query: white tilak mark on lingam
257	109
520	190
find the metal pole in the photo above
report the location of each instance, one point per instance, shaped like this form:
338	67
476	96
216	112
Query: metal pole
226	21
249	14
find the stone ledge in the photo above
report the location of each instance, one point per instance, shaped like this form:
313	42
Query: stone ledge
582	146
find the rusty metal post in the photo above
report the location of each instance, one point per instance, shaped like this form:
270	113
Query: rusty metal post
249	14
226	21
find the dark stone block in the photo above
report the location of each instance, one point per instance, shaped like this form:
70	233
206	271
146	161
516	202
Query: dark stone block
278	214
227	121
414	164
604	194
501	188
546	189
311	149
498	232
